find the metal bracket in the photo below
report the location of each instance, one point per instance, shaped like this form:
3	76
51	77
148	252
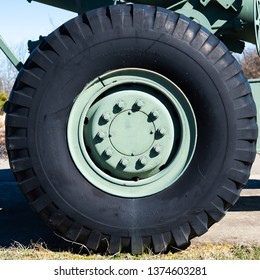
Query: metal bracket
197	17
204	2
224	3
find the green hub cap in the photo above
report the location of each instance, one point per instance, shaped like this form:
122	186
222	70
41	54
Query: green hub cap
123	134
131	132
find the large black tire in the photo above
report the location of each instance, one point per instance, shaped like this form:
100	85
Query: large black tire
127	36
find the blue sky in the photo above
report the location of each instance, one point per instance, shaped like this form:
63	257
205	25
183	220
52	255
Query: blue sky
21	21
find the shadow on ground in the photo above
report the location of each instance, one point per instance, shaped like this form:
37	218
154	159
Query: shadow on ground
18	223
248	203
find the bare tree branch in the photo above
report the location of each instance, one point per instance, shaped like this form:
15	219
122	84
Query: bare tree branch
250	62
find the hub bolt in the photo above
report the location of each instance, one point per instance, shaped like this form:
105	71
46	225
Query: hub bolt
120	104
157	148
161	131
124	162
106	116
155	114
139	103
101	134
108	152
143	160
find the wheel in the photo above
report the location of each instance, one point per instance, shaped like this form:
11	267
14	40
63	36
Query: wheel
131	127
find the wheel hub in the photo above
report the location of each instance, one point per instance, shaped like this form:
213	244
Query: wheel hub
131	132
133	141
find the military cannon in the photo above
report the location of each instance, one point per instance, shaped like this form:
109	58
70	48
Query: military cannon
132	126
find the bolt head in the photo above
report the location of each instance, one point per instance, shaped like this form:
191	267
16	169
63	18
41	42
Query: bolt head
161	131
101	134
120	104
106	116
155	114
139	103
143	160
157	148
109	152
124	162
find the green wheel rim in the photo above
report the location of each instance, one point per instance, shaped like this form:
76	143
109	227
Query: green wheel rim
131	132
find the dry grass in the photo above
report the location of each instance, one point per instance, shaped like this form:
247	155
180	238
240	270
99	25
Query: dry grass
39	251
250	62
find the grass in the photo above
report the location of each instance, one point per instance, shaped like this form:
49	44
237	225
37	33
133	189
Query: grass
39	251
3	99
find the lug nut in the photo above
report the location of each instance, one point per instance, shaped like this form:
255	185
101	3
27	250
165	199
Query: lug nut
108	152
155	114
157	148
101	135
161	131
143	160
124	162
106	116
120	104
139	103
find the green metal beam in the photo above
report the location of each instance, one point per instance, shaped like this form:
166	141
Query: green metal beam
255	87
10	55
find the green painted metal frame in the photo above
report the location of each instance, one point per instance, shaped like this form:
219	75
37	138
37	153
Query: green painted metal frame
10	55
255	87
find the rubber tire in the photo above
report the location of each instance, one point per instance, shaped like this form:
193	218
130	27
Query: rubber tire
131	36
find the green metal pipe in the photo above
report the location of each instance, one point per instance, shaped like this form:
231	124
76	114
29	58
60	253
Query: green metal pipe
247	11
10	55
